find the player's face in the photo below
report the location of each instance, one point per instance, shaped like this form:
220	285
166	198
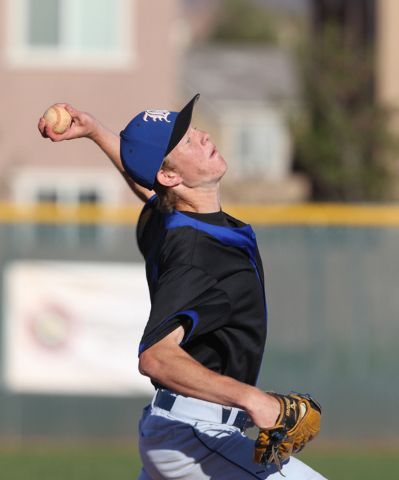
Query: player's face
196	159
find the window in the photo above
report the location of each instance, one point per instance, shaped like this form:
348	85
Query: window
53	187
69	32
77	196
259	143
64	185
255	148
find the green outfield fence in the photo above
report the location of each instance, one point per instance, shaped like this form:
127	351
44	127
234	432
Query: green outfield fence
332	278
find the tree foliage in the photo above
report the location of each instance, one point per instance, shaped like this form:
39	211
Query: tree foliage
244	21
343	140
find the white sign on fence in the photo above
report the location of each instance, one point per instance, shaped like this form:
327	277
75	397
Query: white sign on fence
74	328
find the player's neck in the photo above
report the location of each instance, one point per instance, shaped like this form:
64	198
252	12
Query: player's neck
200	201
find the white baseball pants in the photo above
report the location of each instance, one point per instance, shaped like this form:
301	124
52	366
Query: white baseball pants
177	447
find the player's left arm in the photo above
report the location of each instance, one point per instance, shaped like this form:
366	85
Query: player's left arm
169	365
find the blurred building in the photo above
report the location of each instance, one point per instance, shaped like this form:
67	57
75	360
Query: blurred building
115	58
112	58
119	59
387	72
248	94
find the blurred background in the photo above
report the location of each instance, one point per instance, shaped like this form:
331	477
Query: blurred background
301	98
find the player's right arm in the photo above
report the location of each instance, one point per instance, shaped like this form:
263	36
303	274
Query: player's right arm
85	125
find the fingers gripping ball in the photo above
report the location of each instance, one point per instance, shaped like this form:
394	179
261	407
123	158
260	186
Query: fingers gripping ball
59	118
298	424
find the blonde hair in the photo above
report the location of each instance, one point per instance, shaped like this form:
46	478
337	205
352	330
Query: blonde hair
167	197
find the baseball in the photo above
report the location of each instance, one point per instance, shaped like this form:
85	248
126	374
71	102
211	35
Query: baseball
59	119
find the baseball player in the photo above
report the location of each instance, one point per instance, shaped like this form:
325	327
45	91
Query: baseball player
203	343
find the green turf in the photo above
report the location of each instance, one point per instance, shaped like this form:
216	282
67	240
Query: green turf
70	464
338	465
123	463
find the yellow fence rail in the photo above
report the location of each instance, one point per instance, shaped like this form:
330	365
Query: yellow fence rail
299	214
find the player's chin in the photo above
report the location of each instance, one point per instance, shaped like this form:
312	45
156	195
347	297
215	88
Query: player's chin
222	170
223	164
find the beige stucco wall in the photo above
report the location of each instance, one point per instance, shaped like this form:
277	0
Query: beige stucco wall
387	72
114	96
387	51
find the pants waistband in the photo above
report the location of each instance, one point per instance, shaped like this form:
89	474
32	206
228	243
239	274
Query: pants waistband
194	409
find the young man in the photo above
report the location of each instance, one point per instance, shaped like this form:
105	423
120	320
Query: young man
203	344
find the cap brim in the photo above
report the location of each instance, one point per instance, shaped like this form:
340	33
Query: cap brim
182	123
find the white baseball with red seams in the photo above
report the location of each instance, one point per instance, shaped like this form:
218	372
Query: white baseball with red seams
58	117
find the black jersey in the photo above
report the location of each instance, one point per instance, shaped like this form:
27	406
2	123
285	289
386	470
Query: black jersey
205	268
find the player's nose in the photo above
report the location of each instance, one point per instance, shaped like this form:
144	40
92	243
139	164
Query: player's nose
205	136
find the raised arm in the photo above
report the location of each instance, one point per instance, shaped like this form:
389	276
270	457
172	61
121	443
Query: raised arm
85	125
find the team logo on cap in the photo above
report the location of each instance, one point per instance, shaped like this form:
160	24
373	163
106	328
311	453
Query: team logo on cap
156	115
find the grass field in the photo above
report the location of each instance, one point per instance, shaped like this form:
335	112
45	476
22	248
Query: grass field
347	465
69	463
123	463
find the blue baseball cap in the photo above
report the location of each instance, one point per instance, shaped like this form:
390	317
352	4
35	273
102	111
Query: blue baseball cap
149	138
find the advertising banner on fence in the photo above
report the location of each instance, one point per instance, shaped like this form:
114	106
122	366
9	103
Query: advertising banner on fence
74	328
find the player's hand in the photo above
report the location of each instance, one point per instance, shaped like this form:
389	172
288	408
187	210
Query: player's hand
83	125
263	409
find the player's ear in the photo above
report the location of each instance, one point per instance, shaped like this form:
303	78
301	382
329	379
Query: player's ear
168	178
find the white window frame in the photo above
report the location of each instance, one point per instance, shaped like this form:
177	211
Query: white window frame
68	183
20	54
26	184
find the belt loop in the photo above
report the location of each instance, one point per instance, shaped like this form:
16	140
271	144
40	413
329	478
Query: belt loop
233	416
154	399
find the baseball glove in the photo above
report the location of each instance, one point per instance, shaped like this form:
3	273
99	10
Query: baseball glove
298	424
